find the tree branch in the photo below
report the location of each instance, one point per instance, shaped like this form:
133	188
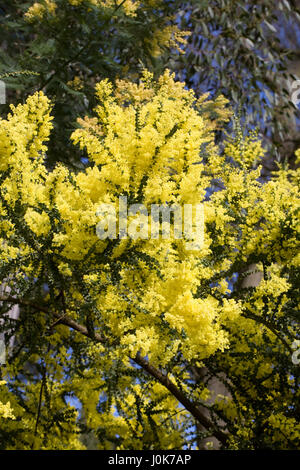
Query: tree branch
163	379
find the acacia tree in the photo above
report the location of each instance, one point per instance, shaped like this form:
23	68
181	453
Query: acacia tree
125	328
123	323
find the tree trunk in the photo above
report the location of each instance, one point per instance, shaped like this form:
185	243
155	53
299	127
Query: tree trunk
12	314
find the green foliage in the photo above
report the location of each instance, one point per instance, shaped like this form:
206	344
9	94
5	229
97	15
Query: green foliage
239	49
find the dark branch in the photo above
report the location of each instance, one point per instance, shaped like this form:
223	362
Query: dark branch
163	379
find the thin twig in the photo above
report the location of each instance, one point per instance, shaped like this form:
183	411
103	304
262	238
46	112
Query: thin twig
39	407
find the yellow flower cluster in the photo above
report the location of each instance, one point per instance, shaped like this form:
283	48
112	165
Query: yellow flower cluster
76	84
169	36
148	150
283	426
245	151
39	9
5	409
